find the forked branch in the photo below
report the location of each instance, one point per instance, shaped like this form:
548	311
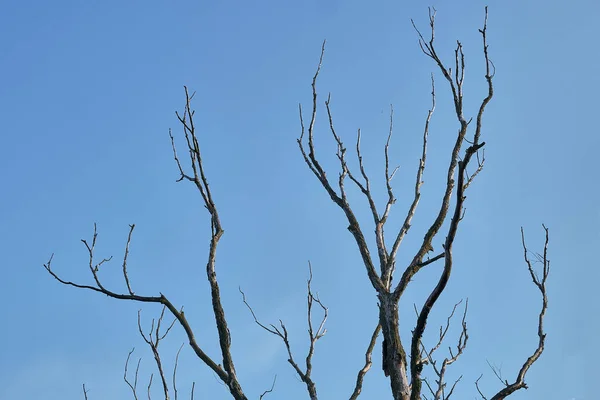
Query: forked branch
389	270
133	386
268	390
340	199
394	357
227	373
153	339
314	336
540	283
440	392
456	84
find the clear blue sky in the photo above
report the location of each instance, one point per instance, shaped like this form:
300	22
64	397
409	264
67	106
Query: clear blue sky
89	91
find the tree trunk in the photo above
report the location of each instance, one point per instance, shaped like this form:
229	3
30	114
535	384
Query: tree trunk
394	357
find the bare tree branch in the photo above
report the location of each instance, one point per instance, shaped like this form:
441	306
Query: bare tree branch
394	357
405	372
175	371
201	182
314	336
361	374
388	177
440	392
456	84
417	195
540	283
133	386
498	372
478	389
143	299
268	390
125	276
480	163
226	373
149	387
153	342
341	199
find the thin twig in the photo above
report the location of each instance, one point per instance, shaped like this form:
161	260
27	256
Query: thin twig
269	390
153	340
131	228
315	167
133	386
540	283
175	370
314	336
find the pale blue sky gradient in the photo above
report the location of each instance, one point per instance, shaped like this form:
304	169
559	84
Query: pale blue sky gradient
89	91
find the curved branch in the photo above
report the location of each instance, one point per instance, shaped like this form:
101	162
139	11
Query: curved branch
132	386
226	373
316	168
540	283
313	335
150	299
154	342
201	182
440	392
417	194
361	374
416	364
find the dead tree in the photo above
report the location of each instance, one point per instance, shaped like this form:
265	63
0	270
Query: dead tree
403	363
